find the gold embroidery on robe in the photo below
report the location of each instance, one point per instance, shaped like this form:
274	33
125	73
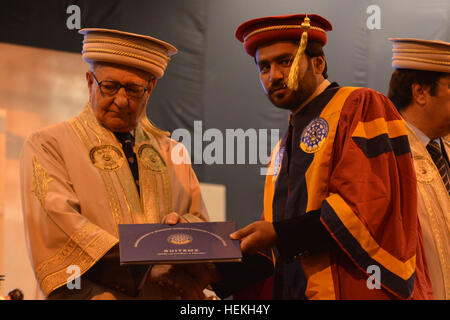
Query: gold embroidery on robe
40	181
82	249
433	211
79	225
107	157
112	195
154	180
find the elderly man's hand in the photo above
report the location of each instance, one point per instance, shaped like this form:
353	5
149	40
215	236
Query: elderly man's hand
256	236
175	277
176	280
173	218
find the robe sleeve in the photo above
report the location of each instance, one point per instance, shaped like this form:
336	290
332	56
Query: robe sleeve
60	239
302	236
371	206
250	275
197	210
190	202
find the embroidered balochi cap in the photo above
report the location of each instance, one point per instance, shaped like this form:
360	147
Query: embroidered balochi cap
298	27
134	50
260	31
418	54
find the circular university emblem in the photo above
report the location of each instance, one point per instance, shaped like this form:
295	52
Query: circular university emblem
314	135
179	238
424	171
107	157
150	158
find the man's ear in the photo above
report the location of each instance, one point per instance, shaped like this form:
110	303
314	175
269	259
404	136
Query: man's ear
419	93
90	81
318	64
151	86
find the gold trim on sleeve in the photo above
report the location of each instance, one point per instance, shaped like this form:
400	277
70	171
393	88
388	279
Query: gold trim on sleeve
84	248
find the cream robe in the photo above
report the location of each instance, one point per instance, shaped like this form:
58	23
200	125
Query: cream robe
434	215
77	187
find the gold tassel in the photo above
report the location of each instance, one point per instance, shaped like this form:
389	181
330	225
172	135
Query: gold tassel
293	73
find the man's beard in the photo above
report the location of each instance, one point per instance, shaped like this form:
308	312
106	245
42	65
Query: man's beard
307	86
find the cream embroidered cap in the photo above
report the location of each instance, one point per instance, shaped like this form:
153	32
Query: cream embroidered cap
134	50
420	54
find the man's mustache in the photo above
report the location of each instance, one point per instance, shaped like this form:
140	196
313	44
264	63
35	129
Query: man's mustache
277	86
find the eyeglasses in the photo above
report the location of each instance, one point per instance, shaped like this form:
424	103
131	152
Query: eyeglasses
110	88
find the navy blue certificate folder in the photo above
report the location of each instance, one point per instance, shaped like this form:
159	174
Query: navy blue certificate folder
180	243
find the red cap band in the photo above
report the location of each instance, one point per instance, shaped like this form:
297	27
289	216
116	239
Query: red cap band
260	31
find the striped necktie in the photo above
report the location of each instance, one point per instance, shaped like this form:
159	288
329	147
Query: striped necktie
126	139
127	142
435	152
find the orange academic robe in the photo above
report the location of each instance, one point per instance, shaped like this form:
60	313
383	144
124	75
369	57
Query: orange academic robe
341	192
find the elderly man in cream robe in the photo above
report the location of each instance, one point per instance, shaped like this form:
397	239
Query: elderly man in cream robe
83	177
420	89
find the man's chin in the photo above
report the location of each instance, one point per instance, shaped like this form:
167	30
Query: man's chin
285	104
118	126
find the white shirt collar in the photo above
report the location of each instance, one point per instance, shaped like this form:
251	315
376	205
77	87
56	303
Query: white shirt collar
422	136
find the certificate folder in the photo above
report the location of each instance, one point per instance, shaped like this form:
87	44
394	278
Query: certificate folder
180	243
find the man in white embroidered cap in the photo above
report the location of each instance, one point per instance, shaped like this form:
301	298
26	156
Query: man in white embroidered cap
109	165
420	90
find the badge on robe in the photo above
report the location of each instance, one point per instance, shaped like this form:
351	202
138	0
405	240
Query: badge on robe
314	135
107	157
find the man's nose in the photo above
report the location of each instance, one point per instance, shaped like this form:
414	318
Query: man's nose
275	74
121	98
